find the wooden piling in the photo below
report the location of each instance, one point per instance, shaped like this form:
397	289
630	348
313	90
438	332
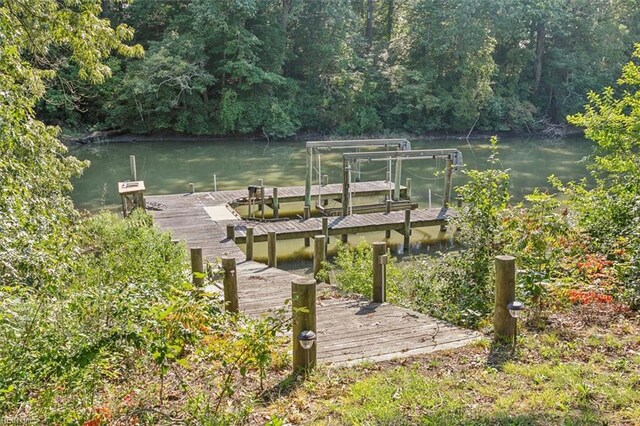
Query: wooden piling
197	267
249	233
272	259
230	284
325	230
408	185
134	170
231	231
307	212
446	199
124	207
387	209
319	253
379	249
274	204
503	324
407	229
325	182
303	303
262	199
192	188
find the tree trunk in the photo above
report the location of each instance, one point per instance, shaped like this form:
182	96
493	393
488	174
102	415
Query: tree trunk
284	19
369	29
390	13
540	35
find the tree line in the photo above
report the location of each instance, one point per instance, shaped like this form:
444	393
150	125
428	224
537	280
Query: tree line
352	66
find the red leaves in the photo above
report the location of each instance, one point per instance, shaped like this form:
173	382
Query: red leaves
587	297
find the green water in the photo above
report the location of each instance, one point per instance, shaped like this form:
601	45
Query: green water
169	167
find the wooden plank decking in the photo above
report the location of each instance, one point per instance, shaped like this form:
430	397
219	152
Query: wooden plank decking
291	194
291	229
349	330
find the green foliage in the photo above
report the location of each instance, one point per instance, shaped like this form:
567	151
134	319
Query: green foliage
610	211
352	272
36	214
540	236
275	68
459	285
126	316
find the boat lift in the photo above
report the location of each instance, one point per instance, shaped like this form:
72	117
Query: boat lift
315	147
452	156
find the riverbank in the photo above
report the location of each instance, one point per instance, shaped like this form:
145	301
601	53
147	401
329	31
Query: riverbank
75	136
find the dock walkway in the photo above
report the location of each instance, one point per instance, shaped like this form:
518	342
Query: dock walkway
357	223
291	194
349	330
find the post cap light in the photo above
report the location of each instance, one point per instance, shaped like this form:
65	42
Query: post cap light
306	339
515	308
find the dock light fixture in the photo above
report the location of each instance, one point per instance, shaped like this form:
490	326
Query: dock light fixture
516	308
306	339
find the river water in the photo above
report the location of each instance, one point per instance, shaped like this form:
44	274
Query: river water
169	166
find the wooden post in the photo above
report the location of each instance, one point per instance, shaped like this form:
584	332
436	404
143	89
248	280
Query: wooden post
249	198
325	230
387	209
215	183
307	212
134	170
379	249
446	197
274	203
197	267
192	188
249	232
325	180
261	183
308	178
272	260
123	198
230	284
396	189
319	253
303	303
408	185
346	184
407	229
231	231
503	324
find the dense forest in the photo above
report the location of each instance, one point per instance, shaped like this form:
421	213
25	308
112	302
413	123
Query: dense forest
276	68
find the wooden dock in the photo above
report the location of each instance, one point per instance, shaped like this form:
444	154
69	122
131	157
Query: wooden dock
350	330
354	224
292	194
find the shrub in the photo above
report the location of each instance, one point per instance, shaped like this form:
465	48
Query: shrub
352	272
121	332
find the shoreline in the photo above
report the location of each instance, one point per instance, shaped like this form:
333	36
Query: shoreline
116	136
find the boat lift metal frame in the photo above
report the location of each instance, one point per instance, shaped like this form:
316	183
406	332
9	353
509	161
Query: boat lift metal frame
401	145
453	157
